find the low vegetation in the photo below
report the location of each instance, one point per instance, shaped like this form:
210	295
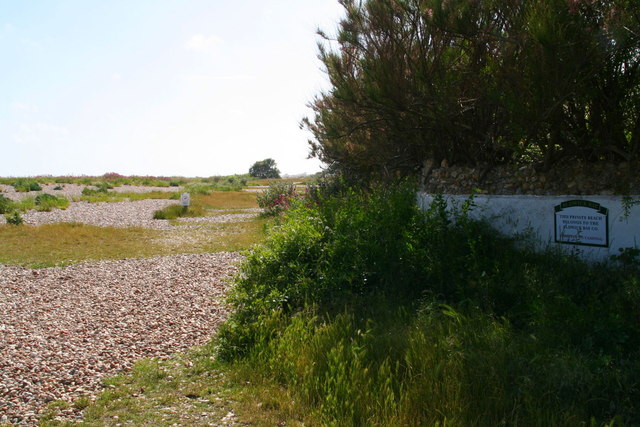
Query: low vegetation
25	185
369	312
45	202
277	197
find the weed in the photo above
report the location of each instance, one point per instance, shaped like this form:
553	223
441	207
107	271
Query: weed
6	204
45	202
373	313
14	218
26	185
278	197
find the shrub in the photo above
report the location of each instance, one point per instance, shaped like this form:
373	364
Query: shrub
14	218
46	202
102	188
25	185
177	211
277	198
6	204
170	212
373	312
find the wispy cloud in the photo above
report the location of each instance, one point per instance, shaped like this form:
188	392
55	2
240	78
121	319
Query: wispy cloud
202	43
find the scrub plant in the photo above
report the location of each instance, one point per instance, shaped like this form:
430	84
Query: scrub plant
6	205
278	197
25	185
45	202
371	312
14	218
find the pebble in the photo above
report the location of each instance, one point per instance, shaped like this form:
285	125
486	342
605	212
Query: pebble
64	329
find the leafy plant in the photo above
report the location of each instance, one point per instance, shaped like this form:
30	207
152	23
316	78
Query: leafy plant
14	218
278	197
25	185
6	204
177	211
46	202
372	312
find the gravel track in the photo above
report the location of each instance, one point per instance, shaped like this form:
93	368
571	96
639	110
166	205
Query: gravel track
63	329
75	190
138	213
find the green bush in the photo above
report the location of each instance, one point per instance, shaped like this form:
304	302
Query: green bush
102	188
374	313
170	212
6	204
177	211
25	185
277	198
14	218
46	202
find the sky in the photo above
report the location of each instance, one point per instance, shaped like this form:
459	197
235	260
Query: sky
158	87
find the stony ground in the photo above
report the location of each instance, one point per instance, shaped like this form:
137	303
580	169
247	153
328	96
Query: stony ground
125	214
63	329
75	190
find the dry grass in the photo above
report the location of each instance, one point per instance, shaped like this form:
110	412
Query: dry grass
267	181
226	200
69	243
62	244
188	389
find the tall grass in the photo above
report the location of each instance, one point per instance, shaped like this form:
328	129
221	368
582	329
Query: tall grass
373	313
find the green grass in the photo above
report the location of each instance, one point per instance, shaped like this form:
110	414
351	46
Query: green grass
371	313
45	202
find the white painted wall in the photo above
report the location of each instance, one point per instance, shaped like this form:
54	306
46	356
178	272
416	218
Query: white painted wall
514	215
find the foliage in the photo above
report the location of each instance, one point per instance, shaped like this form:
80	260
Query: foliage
25	185
177	211
102	188
14	218
478	82
373	313
278	197
264	169
45	202
6	205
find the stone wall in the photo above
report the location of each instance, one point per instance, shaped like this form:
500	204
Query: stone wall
569	178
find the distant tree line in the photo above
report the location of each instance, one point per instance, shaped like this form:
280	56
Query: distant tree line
469	81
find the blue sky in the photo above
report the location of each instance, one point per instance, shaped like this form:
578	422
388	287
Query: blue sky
158	87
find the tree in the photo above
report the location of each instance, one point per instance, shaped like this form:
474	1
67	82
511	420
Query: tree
478	82
264	169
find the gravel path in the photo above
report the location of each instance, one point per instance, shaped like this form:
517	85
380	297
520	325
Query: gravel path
63	329
75	190
138	213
